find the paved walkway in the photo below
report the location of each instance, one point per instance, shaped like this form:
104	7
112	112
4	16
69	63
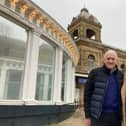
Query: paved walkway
77	119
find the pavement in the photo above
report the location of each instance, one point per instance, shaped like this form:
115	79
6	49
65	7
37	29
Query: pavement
77	119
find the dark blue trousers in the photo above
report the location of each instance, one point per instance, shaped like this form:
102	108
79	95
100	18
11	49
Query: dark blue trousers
107	119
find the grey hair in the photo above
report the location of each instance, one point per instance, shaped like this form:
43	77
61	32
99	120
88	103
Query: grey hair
111	51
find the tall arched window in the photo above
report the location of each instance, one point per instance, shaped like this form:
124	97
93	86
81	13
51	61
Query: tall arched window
45	74
91	62
13	44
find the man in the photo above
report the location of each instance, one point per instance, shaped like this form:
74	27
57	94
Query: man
123	93
102	98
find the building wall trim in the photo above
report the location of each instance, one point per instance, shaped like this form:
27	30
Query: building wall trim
32	16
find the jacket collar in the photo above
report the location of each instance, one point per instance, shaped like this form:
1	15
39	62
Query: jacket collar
110	71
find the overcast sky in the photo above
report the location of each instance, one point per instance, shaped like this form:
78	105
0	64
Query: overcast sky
110	13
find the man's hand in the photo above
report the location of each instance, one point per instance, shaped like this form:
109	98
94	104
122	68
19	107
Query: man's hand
87	122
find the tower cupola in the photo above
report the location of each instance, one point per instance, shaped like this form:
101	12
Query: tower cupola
85	25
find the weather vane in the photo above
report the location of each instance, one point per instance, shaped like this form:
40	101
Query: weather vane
84	5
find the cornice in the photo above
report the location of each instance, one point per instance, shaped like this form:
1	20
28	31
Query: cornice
37	18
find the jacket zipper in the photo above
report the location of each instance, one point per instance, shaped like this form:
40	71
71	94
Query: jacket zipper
105	89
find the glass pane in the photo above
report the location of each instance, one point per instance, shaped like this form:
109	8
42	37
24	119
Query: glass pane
64	77
45	76
13	84
12	53
91	62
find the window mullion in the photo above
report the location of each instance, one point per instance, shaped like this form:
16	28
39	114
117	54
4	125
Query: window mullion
58	76
73	84
31	66
2	81
69	83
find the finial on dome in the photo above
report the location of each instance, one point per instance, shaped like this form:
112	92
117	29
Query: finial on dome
84	9
84	6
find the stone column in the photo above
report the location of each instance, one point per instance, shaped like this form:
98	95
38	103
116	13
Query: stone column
31	66
58	76
69	83
2	81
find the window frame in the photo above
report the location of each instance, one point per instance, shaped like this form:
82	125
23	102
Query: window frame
14	101
48	41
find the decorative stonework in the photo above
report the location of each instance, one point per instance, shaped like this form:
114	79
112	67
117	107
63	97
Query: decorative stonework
11	64
33	14
89	46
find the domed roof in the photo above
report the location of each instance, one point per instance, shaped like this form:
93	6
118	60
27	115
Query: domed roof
86	16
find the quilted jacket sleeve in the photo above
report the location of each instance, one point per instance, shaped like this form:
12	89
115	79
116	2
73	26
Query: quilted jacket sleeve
88	93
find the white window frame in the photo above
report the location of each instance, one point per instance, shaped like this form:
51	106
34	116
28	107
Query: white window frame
30	72
4	72
53	76
70	83
58	76
31	65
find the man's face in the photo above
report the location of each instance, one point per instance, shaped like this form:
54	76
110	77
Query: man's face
110	60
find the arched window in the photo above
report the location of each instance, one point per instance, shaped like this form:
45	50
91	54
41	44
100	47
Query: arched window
75	34
90	34
91	62
13	45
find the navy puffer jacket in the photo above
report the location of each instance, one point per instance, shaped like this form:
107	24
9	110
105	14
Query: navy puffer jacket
95	90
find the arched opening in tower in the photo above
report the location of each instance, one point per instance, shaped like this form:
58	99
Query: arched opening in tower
90	34
75	35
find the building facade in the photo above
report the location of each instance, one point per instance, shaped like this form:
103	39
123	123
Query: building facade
37	64
85	29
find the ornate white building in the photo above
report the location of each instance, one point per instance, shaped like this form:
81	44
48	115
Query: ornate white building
37	64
